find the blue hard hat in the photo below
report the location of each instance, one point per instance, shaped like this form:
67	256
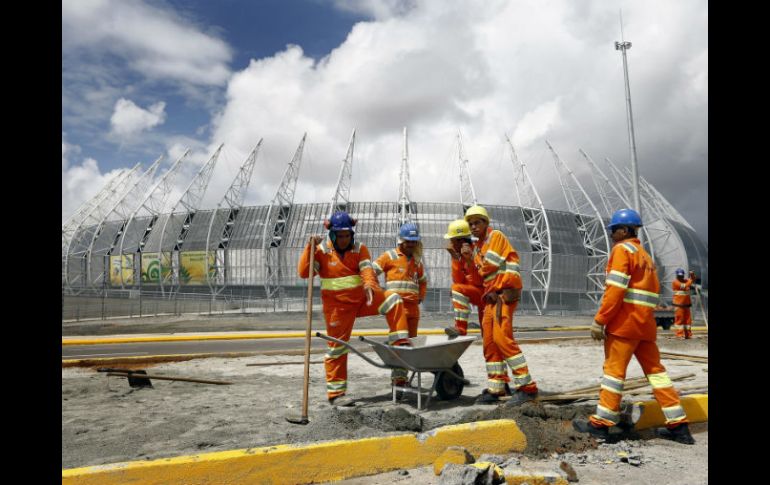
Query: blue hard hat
625	217
341	221
679	272
409	232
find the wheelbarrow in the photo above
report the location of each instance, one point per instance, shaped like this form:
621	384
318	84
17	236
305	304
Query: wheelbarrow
440	359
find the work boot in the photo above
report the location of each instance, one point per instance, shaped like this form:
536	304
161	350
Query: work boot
487	398
585	426
520	397
453	332
341	401
403	342
680	434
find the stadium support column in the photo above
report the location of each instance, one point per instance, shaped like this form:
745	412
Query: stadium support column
177	225
467	193
118	211
277	223
589	225
342	192
404	201
223	221
152	205
538	231
90	214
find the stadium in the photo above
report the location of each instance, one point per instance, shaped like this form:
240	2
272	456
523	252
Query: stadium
124	253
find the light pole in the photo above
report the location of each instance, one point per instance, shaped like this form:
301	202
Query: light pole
623	46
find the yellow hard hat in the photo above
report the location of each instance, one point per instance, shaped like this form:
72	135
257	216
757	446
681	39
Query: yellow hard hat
476	210
458	228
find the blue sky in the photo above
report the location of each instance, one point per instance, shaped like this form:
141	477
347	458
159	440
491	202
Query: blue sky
145	78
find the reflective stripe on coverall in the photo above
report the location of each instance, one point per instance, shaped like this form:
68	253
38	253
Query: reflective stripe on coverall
406	277
467	289
498	265
630	296
342	293
682	304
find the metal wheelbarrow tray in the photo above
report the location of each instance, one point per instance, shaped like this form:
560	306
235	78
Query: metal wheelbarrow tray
439	358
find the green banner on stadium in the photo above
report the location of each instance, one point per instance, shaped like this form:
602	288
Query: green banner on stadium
192	267
156	266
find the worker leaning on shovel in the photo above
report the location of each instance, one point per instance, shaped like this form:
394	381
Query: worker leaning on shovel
405	275
682	304
626	323
497	263
349	289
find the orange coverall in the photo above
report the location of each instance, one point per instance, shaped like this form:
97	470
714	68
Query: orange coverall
406	277
498	265
342	292
626	311
682	304
467	288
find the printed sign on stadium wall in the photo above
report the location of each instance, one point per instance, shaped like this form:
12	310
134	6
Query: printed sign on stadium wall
156	266
122	270
192	267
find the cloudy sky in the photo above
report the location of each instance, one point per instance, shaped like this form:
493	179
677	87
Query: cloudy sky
146	78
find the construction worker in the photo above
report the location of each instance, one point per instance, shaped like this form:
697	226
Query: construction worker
467	284
498	265
405	275
682	304
349	289
626	323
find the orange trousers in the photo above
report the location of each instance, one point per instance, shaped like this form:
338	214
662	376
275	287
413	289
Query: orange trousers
339	324
399	377
682	322
617	355
462	298
500	348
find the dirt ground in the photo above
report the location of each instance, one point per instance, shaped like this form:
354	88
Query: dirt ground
106	421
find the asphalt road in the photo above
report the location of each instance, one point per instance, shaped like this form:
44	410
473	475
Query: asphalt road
96	351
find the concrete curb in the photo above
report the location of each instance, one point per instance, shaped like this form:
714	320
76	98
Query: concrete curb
263	335
319	462
651	416
224	336
525	477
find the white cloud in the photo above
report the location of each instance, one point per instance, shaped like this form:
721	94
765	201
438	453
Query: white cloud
378	9
128	119
536	123
156	42
531	69
79	181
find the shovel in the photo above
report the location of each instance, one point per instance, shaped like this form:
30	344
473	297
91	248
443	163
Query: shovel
303	419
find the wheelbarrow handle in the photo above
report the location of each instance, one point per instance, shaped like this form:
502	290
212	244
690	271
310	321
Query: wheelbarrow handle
352	349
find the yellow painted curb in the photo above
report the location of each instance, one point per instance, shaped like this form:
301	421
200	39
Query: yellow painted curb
534	478
319	462
696	406
234	336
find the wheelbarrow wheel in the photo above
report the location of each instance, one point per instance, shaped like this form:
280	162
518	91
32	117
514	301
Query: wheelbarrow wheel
449	387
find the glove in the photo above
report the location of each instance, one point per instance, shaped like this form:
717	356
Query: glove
597	331
491	297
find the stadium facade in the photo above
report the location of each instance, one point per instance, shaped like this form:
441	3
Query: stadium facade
126	238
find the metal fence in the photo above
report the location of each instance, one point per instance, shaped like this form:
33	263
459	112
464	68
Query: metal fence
135	303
